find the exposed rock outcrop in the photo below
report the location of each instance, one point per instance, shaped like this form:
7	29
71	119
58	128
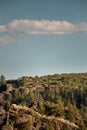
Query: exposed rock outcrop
24	118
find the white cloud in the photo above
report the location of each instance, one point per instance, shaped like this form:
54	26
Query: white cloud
82	27
39	27
3	28
42	27
6	40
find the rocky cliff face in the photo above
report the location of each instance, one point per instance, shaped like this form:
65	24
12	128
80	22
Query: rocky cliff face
24	118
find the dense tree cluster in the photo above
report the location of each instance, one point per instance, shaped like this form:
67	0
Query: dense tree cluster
61	95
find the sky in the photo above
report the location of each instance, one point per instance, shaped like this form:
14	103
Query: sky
41	37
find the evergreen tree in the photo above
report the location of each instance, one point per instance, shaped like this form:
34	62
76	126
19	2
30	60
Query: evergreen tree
2	80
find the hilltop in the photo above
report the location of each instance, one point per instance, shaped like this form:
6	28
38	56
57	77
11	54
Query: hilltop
52	102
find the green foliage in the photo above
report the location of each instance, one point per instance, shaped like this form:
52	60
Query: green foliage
2	83
26	125
42	110
30	98
63	96
51	126
2	80
7	106
15	117
24	81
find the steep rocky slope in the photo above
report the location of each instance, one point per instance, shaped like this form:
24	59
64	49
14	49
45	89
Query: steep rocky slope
53	102
24	118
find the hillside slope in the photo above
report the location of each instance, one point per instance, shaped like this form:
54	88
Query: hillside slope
53	102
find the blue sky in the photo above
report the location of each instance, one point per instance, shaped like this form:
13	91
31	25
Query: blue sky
41	37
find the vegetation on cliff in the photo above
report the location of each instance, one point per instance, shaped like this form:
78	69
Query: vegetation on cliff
60	101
